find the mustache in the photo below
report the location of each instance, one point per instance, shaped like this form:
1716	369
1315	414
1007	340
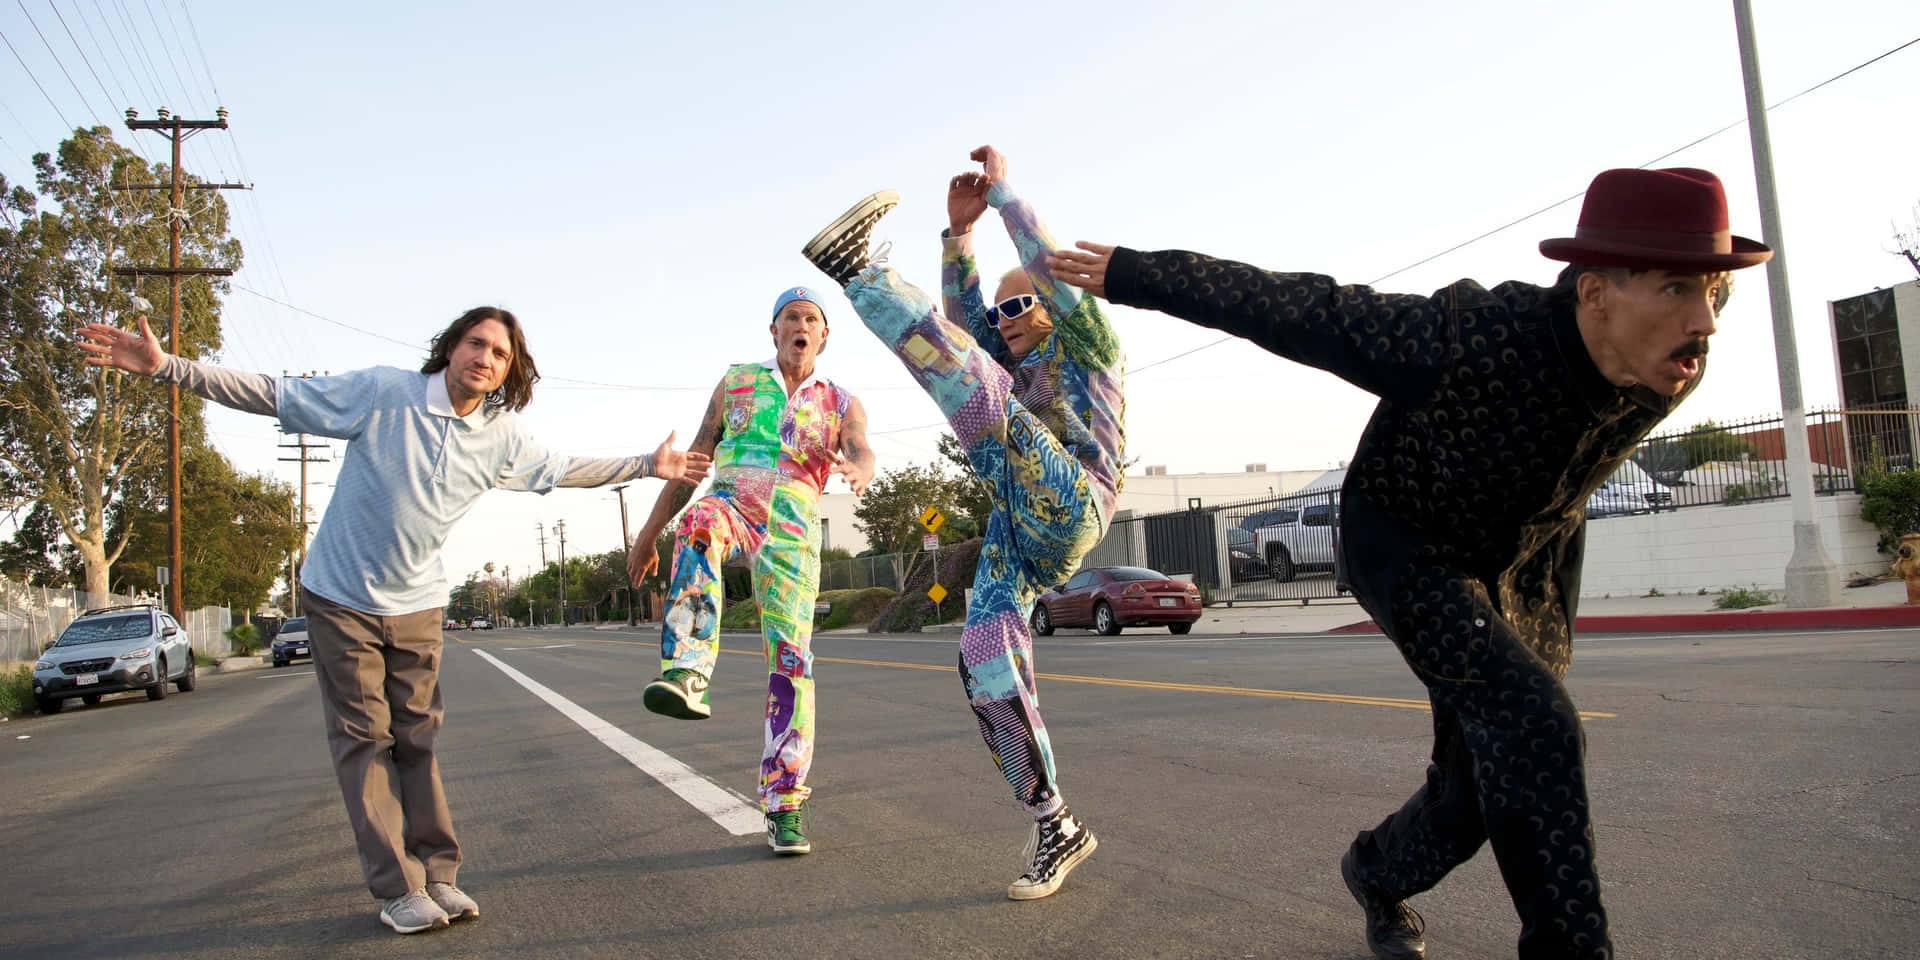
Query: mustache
1692	348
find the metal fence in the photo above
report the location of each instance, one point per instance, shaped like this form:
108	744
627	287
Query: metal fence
32	617
862	572
1744	461
1272	549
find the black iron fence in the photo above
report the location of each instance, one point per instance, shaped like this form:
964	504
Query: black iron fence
1276	548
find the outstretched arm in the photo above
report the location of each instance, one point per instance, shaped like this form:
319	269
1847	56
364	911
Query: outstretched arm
666	463
642	561
959	276
1387	344
1076	319
109	346
854	460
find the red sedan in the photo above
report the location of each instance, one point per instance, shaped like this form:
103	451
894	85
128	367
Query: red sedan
1108	598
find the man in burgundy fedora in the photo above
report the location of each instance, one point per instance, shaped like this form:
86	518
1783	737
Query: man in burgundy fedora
1463	512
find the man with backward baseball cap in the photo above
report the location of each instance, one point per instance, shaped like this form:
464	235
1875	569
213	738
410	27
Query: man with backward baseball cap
1463	520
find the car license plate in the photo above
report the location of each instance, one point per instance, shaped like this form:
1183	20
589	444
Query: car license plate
86	679
299	650
1168	601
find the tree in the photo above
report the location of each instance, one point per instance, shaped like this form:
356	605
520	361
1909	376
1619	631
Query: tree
35	555
234	531
1907	242
73	436
889	512
1709	442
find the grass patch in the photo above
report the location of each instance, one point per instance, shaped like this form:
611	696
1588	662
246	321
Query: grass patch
1740	598
16	691
741	615
202	660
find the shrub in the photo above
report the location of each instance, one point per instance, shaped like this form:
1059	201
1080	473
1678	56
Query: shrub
1740	598
1891	502
859	605
244	638
741	615
912	610
16	691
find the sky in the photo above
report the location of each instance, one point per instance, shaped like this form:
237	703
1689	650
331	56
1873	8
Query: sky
635	181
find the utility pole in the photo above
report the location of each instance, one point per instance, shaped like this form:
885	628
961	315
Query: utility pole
533	605
560	530
626	542
179	131
1811	576
301	444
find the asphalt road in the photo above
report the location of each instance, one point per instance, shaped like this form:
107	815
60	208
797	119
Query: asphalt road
1755	795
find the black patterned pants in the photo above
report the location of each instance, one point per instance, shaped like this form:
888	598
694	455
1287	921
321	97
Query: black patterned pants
1508	754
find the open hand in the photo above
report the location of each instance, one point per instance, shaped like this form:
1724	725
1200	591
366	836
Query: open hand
687	466
109	346
966	201
858	476
1085	268
643	558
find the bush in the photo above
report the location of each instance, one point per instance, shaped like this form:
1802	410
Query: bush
741	615
1891	502
1740	598
244	638
911	610
859	605
16	691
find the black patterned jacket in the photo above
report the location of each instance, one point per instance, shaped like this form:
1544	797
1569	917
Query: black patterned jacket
1493	428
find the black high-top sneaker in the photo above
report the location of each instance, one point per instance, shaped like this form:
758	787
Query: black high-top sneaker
1058	844
1395	931
840	251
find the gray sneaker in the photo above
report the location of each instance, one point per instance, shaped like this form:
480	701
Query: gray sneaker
413	913
840	248
454	901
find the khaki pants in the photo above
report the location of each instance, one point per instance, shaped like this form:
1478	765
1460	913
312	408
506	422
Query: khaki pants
380	689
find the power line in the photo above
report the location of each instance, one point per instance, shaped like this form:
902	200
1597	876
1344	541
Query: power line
185	91
83	54
1562	202
81	16
36	81
56	59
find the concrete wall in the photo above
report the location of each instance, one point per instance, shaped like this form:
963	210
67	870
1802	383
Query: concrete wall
1719	547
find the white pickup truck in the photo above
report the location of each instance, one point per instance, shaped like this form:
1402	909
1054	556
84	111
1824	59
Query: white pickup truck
1293	538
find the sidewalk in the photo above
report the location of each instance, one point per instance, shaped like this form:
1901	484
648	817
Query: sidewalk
1880	605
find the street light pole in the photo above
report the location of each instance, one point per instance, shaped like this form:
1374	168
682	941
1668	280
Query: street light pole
560	530
1811	580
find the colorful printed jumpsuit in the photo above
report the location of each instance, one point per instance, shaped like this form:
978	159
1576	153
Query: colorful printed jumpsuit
768	470
1044	433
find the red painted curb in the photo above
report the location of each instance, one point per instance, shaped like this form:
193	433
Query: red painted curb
1825	618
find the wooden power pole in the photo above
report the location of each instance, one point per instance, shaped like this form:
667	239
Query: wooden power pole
178	130
302	444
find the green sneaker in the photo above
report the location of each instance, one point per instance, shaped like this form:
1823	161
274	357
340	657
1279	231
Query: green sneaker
786	831
679	693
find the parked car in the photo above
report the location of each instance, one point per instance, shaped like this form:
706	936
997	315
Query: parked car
1246	563
482	623
1290	539
113	650
1109	598
290	643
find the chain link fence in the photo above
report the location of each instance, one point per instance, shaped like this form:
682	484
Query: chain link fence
32	617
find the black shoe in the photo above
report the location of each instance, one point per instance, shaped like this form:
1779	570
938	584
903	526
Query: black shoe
1395	931
679	693
1059	843
840	250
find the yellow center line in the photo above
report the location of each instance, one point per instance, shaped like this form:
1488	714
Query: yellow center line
1400	703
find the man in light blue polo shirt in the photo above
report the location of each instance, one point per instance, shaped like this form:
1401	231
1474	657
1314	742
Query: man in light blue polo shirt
423	447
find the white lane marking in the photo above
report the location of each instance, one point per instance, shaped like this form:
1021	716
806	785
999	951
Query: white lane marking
719	804
277	675
550	646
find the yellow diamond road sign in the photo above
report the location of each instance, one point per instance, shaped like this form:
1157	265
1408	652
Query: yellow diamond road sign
932	519
937	593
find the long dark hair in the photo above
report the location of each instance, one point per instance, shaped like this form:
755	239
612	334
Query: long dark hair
516	391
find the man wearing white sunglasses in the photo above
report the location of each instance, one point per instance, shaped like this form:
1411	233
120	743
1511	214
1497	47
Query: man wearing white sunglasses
1032	389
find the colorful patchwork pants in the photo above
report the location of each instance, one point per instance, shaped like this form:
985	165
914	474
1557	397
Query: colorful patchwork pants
785	558
1044	519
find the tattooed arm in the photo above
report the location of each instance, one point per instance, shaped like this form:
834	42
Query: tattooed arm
642	560
854	459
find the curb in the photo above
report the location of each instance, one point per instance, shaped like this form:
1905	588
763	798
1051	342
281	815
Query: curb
236	664
1826	618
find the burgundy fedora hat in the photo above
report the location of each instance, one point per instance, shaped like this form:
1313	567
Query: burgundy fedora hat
1672	219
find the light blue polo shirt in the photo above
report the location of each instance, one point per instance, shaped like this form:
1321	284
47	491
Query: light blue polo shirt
413	469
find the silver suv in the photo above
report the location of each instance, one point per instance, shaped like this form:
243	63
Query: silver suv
113	650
